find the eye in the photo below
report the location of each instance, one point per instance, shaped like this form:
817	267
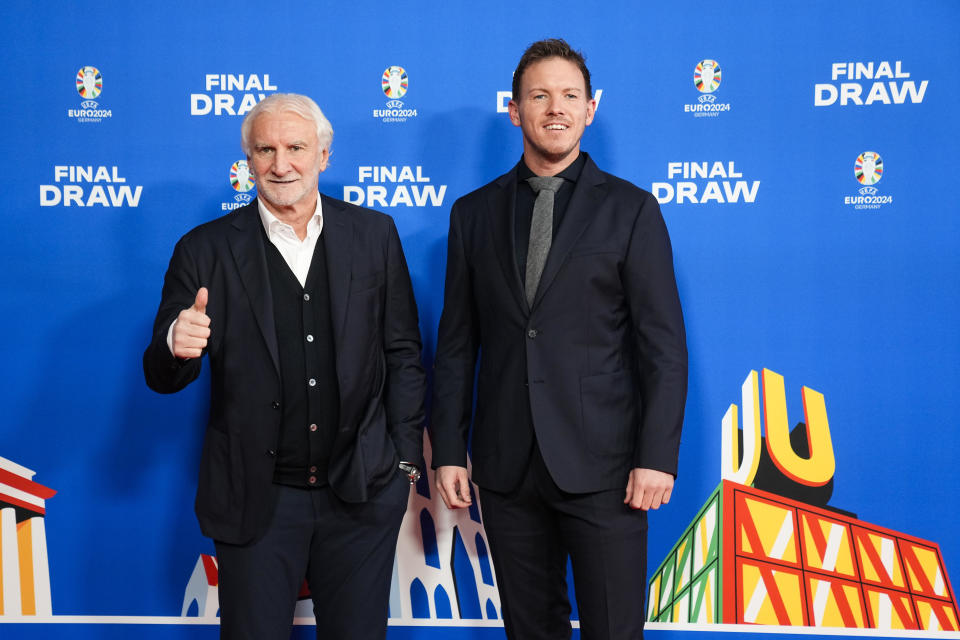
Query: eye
296	147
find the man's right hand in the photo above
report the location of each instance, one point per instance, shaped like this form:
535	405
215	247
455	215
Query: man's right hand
454	487
192	328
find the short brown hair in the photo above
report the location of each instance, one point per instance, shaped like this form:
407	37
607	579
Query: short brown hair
550	48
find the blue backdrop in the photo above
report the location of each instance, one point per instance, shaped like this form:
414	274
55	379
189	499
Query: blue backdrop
783	260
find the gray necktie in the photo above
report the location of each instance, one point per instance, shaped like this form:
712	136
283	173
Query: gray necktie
541	231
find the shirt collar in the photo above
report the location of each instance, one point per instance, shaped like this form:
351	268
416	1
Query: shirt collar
274	226
571	173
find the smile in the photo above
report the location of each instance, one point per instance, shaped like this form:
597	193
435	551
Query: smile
556	127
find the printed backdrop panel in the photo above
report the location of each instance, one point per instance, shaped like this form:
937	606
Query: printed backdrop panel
801	157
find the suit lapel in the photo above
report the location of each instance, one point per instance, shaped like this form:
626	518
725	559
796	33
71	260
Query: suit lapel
338	244
502	203
246	245
584	202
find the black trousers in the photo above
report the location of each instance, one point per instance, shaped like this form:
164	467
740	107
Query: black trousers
534	528
344	550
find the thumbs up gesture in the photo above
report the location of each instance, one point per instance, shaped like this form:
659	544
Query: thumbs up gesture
192	328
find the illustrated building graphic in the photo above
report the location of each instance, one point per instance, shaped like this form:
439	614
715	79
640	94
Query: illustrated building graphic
200	597
755	557
24	570
442	568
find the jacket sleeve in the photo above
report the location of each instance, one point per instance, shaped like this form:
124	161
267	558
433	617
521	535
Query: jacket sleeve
455	365
406	380
165	373
660	339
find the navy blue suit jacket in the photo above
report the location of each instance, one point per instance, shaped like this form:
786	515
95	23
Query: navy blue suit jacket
595	369
377	344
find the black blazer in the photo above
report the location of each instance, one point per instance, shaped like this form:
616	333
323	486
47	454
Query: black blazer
377	342
598	365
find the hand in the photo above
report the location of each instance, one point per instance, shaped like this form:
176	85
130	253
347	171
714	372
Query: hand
453	485
648	489
192	329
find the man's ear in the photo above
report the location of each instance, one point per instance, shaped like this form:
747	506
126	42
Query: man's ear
514	110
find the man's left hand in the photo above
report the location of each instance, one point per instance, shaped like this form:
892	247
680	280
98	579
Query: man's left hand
648	489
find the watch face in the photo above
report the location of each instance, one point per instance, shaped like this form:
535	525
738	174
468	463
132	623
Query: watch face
412	472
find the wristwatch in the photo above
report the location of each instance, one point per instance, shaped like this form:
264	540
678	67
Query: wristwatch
412	471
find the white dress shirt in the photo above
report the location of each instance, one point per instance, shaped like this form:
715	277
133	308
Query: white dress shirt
296	253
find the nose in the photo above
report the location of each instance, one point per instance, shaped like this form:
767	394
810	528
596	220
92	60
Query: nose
556	105
281	163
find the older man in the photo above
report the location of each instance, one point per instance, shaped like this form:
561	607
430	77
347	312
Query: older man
305	310
560	279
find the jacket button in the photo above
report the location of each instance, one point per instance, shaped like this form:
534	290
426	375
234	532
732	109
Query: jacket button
272	453
532	333
275	405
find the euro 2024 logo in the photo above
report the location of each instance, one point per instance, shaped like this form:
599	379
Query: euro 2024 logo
89	86
394	83
868	170
89	82
706	78
241	179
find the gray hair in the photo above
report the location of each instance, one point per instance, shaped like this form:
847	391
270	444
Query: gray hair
289	102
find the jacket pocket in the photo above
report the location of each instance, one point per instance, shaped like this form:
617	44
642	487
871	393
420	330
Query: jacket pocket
220	476
365	282
609	413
